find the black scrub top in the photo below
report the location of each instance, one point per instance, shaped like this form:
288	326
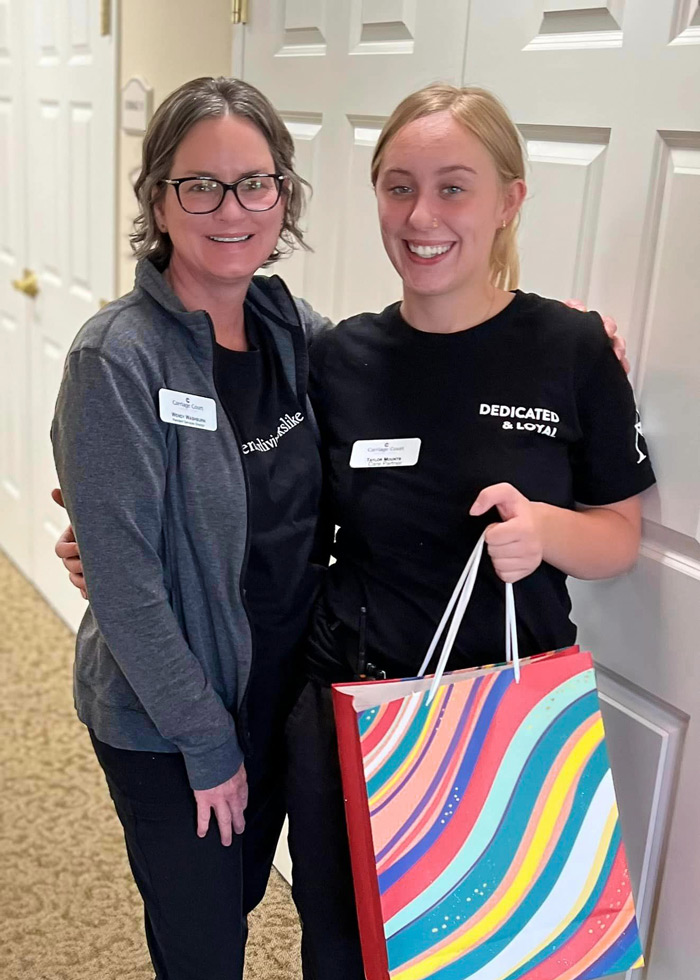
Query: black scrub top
534	397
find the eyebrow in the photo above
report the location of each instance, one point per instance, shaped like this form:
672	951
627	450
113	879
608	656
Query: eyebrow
208	173
441	170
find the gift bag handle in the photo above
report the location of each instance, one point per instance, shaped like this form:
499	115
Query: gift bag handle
456	608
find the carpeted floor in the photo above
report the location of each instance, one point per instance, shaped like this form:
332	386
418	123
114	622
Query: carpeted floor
68	907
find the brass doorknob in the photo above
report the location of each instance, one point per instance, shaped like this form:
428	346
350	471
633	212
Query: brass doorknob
29	284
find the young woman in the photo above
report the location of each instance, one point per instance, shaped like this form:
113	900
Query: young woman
185	450
503	410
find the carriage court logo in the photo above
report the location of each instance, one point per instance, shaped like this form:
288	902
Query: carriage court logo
518	418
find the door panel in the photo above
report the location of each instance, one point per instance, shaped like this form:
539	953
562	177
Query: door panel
305	129
619	211
565	177
71	229
365	279
15	455
669	373
57	143
645	779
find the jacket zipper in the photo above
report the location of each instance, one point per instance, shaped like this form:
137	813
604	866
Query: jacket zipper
241	708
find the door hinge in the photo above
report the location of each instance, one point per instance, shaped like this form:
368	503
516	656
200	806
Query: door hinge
239	11
105	17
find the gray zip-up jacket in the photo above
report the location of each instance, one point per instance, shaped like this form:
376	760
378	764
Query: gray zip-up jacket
160	514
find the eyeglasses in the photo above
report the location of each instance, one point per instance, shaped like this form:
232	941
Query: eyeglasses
202	195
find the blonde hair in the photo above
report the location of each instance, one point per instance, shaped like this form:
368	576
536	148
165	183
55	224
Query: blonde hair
211	98
485	116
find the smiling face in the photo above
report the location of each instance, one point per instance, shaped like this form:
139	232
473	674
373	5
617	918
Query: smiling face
227	148
441	203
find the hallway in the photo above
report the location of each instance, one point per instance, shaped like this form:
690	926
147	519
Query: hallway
64	912
605	95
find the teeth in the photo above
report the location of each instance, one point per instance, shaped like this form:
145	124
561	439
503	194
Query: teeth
428	251
241	238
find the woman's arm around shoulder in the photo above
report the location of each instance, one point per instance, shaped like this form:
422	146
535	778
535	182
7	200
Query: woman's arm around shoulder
314	324
618	342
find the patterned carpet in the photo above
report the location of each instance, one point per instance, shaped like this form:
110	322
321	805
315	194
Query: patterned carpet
68	907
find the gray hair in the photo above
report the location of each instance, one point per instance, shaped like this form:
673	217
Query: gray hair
210	98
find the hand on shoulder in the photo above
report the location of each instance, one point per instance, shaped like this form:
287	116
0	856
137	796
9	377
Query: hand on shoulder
619	344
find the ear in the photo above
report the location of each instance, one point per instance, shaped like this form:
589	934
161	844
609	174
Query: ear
513	196
160	216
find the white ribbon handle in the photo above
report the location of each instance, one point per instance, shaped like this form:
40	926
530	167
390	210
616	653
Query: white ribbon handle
512	632
456	608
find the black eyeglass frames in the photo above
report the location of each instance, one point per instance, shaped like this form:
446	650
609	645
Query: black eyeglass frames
202	195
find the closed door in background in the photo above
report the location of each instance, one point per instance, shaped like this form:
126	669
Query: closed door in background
57	131
607	96
15	494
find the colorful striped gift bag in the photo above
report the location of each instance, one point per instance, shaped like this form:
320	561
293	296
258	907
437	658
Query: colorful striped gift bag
482	819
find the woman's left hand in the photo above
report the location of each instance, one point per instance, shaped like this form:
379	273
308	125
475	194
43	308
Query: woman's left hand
514	546
619	344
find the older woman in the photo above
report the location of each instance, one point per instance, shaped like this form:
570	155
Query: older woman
187	454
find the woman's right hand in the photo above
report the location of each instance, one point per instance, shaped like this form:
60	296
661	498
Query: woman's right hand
67	550
228	801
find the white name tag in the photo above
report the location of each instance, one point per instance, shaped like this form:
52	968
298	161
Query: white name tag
182	409
374	453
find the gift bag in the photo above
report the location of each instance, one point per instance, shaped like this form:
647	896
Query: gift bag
482	820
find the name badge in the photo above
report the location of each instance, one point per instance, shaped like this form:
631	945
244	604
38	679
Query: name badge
179	408
374	453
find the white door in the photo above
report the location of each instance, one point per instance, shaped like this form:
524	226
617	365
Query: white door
607	95
15	486
66	208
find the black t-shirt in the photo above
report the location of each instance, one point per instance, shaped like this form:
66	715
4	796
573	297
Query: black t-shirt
283	468
534	397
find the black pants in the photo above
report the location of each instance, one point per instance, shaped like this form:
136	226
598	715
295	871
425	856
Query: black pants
196	892
322	878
